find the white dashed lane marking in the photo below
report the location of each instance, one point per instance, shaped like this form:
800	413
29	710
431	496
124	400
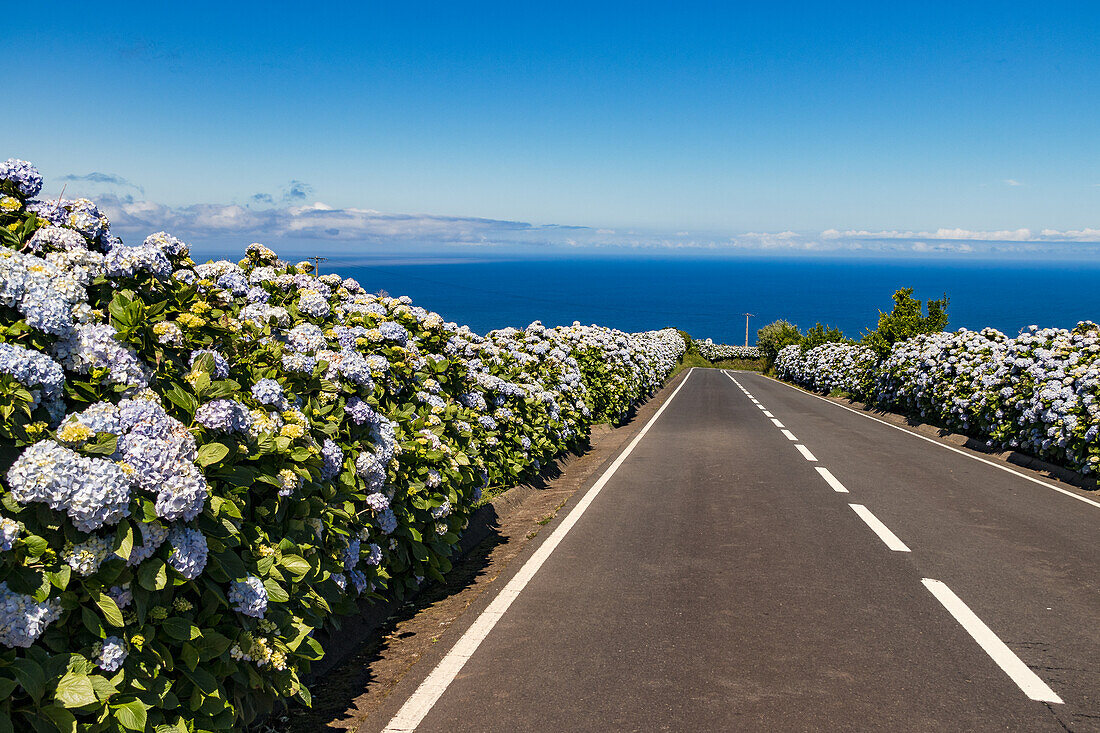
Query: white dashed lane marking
1005	658
831	480
879	528
1029	682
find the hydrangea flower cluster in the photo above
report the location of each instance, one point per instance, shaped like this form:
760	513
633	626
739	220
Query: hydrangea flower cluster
93	491
36	371
249	597
112	654
9	533
24	175
224	416
269	392
86	557
22	619
189	551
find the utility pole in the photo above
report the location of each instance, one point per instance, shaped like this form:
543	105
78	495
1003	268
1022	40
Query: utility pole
317	263
747	317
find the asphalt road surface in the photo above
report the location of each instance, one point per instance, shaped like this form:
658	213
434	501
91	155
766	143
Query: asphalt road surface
761	559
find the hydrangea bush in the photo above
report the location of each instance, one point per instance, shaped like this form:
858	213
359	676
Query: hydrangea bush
718	352
828	367
1038	392
204	464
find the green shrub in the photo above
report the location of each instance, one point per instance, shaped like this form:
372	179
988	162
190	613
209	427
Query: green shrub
206	463
905	321
770	339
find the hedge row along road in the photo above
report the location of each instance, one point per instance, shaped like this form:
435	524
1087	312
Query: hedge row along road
762	559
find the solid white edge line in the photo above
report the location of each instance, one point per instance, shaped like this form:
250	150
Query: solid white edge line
806	453
424	698
775	422
879	528
789	436
951	448
1005	658
831	480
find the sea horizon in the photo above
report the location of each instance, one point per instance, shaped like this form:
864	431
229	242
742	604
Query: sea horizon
707	296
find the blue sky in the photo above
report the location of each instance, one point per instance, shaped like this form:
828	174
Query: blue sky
924	126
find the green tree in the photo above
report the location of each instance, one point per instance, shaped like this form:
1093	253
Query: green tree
774	336
906	320
819	335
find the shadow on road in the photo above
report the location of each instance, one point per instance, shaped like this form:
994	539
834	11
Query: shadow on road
335	692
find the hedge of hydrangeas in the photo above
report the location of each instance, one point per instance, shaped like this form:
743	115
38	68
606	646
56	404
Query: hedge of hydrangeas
203	464
829	367
1038	392
718	352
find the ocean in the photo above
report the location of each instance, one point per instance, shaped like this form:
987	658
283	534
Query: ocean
705	297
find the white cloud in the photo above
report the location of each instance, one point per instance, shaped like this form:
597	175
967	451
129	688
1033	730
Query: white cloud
313	221
1012	182
1000	235
1071	235
319	221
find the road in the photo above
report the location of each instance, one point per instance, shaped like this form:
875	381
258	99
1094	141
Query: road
762	559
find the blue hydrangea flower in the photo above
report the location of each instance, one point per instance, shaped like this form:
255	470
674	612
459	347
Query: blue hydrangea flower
360	412
43	376
359	580
356	369
224	415
121	595
392	331
25	176
269	392
153	535
387	521
56	239
22	619
94	345
235	282
377	502
333	459
350	555
92	491
167	244
125	261
257	294
313	304
371	470
182	497
249	597
9	533
295	361
189	551
306	338
112	654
